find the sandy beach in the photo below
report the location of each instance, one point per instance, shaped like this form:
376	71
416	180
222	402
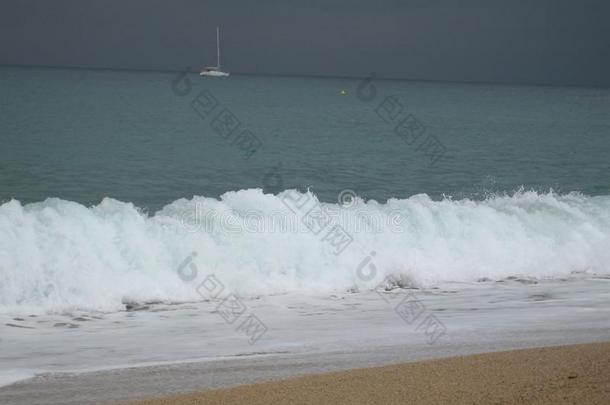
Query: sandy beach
565	374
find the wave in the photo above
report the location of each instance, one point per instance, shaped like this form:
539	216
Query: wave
57	254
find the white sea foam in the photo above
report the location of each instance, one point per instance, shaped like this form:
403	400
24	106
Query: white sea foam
8	377
56	255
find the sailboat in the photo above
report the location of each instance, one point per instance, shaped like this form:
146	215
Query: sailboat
215	70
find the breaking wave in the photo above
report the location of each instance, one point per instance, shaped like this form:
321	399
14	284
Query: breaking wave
57	254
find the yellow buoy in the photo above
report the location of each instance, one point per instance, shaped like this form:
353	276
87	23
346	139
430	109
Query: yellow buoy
343	93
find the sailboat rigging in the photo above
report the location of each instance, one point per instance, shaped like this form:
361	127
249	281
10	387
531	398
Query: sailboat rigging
215	71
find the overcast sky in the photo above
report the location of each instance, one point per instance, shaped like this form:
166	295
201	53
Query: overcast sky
526	41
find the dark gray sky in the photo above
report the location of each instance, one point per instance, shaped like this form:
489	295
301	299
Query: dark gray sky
524	41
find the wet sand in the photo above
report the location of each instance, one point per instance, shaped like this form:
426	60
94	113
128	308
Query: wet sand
565	374
129	356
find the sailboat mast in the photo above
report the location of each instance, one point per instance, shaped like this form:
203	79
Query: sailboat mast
218	48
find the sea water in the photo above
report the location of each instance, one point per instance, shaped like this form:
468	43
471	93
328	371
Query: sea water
301	198
110	179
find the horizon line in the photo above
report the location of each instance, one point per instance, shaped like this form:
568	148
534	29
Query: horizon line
311	76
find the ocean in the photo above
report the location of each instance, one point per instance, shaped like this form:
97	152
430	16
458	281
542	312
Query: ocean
262	216
100	168
83	135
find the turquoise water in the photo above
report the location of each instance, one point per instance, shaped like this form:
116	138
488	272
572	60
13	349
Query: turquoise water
82	135
455	182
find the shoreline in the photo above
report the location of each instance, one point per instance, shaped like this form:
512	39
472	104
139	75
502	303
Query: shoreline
557	374
164	351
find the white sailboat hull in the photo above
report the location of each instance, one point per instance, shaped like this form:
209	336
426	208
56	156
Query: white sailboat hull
214	73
